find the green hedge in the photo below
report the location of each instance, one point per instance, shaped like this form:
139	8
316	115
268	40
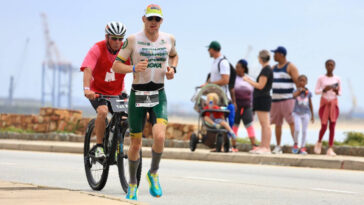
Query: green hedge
354	139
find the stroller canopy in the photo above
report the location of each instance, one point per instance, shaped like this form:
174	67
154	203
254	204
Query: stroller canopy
209	88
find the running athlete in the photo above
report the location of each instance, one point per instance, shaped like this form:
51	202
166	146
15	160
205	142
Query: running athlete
98	77
150	51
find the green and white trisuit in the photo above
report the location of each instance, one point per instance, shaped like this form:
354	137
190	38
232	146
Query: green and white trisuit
147	94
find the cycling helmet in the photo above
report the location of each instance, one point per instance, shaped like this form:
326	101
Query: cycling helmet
115	28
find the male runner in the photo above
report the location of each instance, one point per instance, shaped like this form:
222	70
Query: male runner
150	51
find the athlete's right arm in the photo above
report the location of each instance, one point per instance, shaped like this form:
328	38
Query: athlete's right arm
121	67
87	67
87	77
125	52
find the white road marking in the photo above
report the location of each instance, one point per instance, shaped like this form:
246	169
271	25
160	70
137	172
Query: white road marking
334	190
207	179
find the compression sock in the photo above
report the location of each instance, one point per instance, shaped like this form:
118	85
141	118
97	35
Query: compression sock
133	167
156	158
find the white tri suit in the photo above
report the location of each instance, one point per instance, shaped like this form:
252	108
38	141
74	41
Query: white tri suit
147	92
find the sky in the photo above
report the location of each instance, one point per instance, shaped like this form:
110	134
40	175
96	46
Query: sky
311	30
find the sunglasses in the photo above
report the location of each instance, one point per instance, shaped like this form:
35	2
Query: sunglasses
156	18
116	38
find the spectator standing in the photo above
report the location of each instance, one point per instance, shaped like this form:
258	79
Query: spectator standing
243	103
285	76
329	87
262	101
302	113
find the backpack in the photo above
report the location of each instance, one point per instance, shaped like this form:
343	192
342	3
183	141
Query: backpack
232	77
232	73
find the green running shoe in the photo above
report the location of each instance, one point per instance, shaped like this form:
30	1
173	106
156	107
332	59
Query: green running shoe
132	192
154	186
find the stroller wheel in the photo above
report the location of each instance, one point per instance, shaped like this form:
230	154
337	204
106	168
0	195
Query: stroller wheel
193	142
226	144
219	140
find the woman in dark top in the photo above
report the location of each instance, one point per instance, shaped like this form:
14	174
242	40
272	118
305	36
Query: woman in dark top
262	100
243	103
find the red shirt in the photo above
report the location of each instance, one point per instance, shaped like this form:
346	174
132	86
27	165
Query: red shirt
100	61
216	115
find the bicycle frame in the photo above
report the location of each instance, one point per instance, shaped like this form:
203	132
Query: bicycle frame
118	109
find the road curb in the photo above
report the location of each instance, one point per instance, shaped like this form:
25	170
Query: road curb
313	161
171	143
50	195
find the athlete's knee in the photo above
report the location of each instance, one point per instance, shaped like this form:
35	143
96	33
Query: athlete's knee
135	145
159	137
102	111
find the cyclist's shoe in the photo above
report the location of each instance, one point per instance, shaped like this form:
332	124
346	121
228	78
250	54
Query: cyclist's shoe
154	186
99	153
132	192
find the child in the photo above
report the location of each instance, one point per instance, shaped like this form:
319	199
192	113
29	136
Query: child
301	113
329	86
217	119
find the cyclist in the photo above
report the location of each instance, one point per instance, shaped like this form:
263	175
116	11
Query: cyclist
98	77
150	51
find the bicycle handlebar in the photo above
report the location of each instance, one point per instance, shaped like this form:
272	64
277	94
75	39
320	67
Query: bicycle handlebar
101	96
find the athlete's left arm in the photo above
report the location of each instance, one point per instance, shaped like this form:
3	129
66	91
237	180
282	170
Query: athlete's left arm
173	56
293	72
173	60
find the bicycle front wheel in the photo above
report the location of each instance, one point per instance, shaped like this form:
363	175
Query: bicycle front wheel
123	163
96	170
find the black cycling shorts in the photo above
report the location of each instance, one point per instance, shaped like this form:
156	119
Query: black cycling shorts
97	102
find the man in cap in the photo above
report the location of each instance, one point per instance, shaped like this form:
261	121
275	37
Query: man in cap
220	75
154	56
285	75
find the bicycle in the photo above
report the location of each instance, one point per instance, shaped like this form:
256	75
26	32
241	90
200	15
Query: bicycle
113	142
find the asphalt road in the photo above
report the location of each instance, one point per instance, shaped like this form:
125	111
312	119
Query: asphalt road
195	182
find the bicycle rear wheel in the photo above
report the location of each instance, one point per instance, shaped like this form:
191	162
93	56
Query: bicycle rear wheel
96	170
123	162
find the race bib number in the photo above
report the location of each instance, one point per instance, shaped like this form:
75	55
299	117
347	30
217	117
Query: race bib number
146	98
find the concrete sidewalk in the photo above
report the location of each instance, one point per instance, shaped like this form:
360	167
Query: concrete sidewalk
19	194
314	161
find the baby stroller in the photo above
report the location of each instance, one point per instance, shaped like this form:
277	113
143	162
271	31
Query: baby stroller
211	136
